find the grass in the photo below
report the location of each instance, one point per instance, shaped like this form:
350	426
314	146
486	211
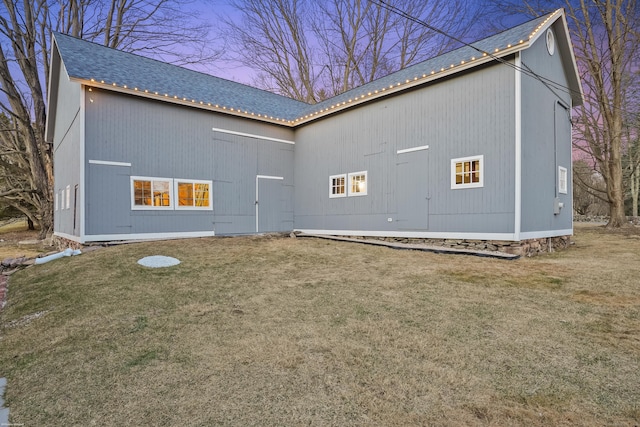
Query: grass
281	331
11	232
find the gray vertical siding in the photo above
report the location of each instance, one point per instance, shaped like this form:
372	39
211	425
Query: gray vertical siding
168	141
546	141
66	145
468	115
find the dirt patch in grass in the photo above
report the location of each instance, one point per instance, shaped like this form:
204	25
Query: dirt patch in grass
281	331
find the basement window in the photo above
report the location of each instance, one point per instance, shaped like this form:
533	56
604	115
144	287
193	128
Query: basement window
562	180
467	172
151	193
192	194
338	186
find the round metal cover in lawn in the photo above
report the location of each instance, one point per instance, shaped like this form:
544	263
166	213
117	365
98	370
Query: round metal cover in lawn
157	261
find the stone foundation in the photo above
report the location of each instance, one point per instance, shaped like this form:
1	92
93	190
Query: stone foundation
61	243
531	247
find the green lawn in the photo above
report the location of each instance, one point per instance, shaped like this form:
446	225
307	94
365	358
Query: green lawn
281	331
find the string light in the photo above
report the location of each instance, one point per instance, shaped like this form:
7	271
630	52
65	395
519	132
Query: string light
360	97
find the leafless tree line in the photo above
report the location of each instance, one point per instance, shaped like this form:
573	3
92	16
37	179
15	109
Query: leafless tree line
310	50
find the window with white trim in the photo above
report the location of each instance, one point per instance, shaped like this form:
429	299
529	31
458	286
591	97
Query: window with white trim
562	180
338	186
61	199
358	183
467	172
68	196
193	194
151	193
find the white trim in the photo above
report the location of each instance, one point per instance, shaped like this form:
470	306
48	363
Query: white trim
547	233
411	150
331	178
251	135
109	163
518	148
135	207
136	236
178	207
550	40
414	234
257	194
68	196
366	184
83	171
454	185
563	189
268	177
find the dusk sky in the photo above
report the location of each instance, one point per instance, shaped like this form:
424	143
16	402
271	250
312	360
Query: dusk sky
210	12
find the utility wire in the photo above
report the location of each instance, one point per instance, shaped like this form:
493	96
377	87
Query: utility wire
527	72
548	83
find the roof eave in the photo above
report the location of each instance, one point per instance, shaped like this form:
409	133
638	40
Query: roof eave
174	99
417	81
568	57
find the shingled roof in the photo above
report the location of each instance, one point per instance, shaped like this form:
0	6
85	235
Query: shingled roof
95	65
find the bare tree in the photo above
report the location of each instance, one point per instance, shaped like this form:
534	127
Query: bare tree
589	190
145	26
313	50
606	42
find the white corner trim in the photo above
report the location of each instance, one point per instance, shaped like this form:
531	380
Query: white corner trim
413	234
109	163
411	150
518	147
83	171
251	135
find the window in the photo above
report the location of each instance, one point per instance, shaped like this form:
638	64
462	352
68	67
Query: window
338	186
61	200
192	194
347	185
551	46
68	196
151	193
467	172
562	180
358	183
56	201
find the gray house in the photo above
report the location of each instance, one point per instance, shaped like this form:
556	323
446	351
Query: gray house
472	144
